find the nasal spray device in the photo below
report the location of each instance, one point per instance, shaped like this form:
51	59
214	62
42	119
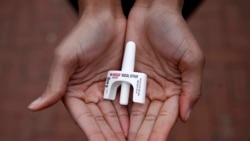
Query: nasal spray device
125	78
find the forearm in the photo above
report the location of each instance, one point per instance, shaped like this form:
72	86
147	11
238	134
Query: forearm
99	6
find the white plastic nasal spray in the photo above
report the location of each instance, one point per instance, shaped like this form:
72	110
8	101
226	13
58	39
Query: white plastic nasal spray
125	78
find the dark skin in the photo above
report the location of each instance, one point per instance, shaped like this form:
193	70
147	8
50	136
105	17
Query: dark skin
166	51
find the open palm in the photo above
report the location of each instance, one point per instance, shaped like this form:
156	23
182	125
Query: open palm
166	52
169	55
78	74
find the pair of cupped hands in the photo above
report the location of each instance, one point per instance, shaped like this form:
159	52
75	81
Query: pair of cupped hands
166	51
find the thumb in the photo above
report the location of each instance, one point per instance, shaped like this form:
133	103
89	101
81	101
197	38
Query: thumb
191	67
63	67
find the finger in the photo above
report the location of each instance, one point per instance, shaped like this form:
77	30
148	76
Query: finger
191	67
149	121
84	119
122	112
100	120
62	68
165	120
137	116
111	116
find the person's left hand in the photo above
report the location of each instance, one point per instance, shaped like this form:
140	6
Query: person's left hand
169	55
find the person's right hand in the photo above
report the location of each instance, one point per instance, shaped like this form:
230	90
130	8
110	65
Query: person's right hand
79	70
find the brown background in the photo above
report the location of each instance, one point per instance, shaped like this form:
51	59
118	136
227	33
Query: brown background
31	29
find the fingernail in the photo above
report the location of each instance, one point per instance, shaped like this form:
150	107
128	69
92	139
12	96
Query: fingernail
34	103
188	114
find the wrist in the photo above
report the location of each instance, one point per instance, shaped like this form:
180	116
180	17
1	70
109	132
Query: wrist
169	4
100	6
